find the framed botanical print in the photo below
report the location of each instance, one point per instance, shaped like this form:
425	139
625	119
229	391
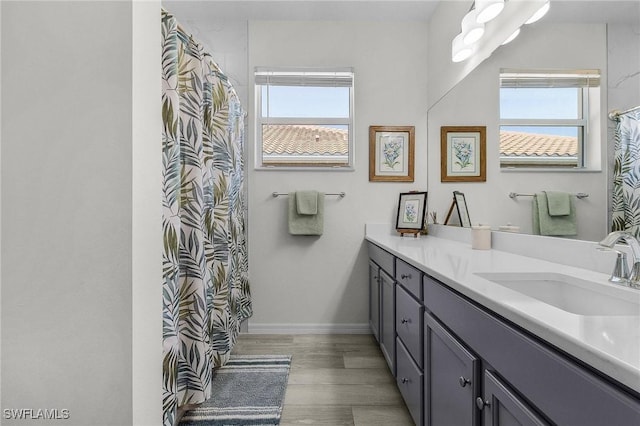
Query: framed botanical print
391	153
463	153
412	207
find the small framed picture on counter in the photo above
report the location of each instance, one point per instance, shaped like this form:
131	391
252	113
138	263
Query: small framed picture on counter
412	207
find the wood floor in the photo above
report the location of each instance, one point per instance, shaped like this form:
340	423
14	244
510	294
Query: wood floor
335	379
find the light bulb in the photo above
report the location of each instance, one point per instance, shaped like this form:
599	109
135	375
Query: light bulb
488	9
472	30
460	51
540	13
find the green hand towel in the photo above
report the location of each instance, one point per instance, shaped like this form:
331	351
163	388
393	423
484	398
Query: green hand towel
544	224
300	224
307	202
559	203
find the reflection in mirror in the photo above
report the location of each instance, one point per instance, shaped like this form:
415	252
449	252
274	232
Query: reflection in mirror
460	204
599	36
544	117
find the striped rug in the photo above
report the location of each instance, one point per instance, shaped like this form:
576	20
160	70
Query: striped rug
248	390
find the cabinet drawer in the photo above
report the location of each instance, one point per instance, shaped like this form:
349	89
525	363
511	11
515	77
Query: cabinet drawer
567	393
383	258
409	324
409	277
409	379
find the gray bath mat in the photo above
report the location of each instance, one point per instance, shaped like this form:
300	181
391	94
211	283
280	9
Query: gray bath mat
248	390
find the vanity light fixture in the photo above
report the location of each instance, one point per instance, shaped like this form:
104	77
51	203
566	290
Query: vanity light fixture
488	9
511	37
459	50
472	30
539	13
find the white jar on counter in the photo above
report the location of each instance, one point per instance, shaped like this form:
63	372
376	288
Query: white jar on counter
481	237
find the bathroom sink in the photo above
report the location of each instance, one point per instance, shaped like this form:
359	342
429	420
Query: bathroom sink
570	294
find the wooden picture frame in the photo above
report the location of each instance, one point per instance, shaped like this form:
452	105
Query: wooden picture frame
412	208
463	153
391	153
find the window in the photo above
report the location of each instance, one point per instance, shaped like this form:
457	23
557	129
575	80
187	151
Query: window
544	117
304	118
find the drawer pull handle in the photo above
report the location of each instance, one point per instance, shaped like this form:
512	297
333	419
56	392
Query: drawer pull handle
405	276
404	320
481	403
463	381
405	380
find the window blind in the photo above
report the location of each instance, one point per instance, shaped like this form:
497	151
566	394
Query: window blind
316	78
542	79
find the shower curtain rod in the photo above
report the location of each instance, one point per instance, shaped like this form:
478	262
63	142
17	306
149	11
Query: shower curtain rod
613	115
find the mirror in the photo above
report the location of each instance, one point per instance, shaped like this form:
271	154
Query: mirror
596	35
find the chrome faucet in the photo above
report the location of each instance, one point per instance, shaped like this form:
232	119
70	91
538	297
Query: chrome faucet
620	272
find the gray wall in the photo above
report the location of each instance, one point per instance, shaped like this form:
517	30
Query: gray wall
66	210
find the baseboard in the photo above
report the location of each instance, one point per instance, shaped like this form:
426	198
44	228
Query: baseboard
309	328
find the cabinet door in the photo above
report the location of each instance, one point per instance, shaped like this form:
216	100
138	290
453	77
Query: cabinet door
374	299
503	408
451	378
388	320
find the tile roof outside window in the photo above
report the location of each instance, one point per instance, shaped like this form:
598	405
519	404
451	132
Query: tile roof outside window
284	139
287	139
520	144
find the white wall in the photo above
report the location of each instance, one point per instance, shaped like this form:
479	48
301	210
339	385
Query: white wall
475	102
320	283
71	196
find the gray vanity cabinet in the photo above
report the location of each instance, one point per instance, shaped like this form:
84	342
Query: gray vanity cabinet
451	383
374	299
458	363
502	407
554	386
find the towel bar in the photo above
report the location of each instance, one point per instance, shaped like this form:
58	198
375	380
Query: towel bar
339	194
515	195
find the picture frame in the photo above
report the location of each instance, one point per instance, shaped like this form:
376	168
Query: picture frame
412	207
391	153
460	204
463	153
463	210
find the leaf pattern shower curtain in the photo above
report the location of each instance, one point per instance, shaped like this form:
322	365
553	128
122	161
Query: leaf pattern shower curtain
626	175
205	290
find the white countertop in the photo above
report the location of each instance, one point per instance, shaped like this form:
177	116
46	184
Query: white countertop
610	344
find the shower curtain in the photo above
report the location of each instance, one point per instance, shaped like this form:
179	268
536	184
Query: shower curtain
205	289
626	174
